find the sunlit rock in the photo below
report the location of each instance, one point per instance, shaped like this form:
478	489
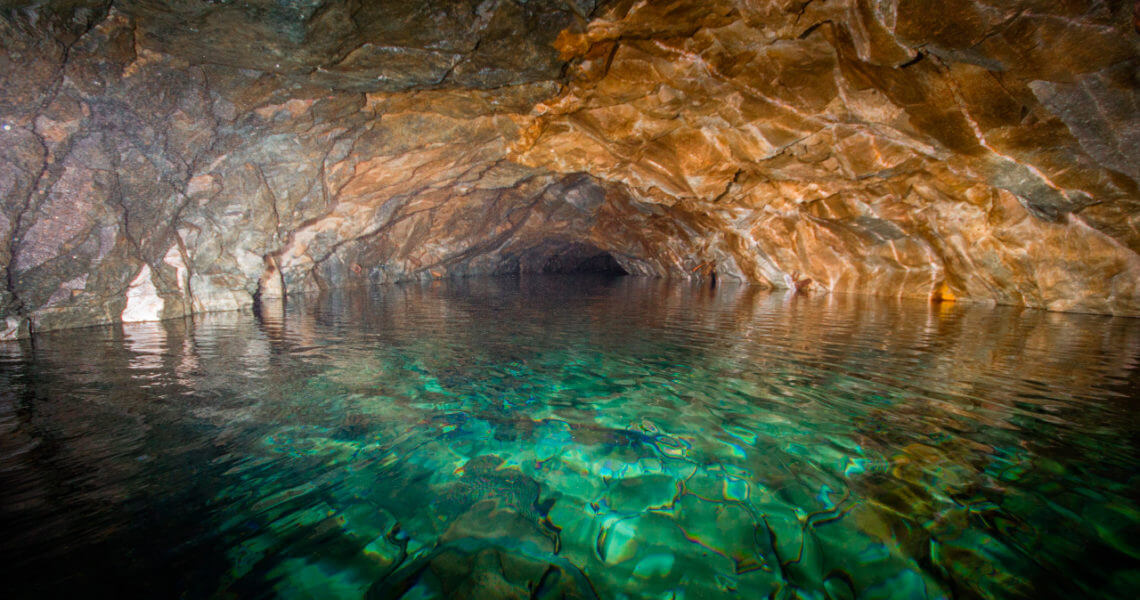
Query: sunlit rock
143	303
14	328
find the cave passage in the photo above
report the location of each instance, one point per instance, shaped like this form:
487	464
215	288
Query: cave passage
553	257
598	264
570	299
164	158
580	259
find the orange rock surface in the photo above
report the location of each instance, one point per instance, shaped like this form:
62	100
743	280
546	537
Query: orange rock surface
204	153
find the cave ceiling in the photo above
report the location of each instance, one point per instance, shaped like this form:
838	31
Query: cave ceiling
165	157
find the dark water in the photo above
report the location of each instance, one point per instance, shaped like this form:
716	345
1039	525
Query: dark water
576	438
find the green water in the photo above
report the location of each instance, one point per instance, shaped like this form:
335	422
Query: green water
575	438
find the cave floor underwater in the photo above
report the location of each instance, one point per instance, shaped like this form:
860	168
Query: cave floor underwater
575	437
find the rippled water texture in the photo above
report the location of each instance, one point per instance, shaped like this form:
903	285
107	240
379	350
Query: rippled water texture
578	438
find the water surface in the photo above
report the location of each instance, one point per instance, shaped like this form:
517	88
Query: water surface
578	438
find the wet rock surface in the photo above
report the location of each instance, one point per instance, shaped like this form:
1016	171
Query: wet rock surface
191	155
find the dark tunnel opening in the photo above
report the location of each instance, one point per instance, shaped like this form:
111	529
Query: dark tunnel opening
602	263
569	259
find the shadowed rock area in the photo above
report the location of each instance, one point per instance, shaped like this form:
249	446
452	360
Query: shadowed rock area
161	157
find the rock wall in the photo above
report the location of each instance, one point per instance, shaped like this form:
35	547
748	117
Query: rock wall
159	158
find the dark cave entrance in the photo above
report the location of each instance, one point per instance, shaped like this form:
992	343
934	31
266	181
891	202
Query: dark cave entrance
602	263
575	258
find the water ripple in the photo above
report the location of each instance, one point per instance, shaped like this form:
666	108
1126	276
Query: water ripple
576	438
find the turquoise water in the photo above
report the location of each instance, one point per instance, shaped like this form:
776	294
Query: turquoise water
577	438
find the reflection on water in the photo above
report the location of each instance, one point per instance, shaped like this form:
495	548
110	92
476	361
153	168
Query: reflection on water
576	438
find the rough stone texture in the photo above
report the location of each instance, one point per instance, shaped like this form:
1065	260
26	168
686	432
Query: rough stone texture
961	149
185	156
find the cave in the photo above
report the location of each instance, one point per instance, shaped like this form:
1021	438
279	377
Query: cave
568	259
892	246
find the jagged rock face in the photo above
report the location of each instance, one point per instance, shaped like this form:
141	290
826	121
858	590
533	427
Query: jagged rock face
161	158
913	148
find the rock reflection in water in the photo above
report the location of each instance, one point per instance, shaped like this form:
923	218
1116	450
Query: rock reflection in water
579	438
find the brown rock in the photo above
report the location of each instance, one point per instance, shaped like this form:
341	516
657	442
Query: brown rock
963	150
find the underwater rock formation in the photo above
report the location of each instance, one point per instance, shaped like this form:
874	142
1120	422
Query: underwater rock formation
161	158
